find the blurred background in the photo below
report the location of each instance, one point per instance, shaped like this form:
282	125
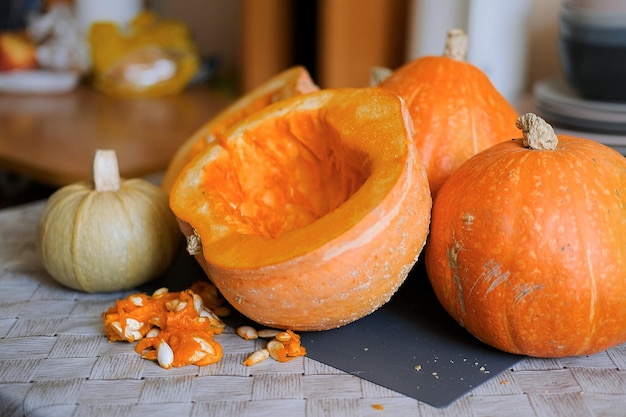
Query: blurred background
240	44
338	40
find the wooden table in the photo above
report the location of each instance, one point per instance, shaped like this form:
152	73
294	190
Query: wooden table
52	138
56	361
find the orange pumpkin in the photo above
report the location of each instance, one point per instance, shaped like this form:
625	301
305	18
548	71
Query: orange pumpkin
456	110
310	213
528	244
293	81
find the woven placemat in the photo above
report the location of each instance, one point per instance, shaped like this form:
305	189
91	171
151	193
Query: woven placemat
55	361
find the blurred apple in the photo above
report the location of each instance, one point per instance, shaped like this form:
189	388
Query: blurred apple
17	52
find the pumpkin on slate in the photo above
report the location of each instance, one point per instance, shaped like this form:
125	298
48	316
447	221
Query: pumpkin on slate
528	244
456	110
310	213
107	235
293	81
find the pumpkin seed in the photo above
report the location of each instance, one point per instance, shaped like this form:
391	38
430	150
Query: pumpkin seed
268	333
172	304
256	357
131	330
137	300
213	319
273	346
283	337
165	355
153	332
247	332
204	345
198	304
160	292
117	326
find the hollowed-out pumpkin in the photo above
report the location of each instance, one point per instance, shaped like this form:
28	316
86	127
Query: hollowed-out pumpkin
293	81
528	244
456	110
310	212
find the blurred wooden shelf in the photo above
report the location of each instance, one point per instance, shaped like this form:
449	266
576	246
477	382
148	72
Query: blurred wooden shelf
351	36
52	138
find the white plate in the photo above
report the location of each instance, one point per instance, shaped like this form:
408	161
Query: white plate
560	103
38	81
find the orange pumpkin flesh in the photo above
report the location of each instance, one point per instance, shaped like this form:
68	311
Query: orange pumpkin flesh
291	82
456	110
528	247
312	211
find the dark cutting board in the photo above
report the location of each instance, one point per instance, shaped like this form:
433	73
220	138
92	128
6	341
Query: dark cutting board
410	345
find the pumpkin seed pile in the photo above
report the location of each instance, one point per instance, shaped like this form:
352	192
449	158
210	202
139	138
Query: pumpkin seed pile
178	328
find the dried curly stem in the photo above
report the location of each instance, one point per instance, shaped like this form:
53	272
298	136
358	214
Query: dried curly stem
538	134
194	243
456	45
106	174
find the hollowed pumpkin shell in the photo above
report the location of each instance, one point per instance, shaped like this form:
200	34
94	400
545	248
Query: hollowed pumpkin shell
291	82
311	212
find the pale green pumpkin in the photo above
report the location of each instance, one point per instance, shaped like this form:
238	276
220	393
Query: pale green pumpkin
107	235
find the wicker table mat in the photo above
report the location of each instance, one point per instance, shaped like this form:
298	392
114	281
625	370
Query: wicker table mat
55	361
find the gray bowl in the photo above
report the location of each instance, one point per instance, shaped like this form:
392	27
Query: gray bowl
592	48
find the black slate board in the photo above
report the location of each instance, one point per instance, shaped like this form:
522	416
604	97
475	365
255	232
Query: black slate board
410	345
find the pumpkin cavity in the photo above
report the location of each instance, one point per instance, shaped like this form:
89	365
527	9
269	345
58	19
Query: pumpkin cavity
281	176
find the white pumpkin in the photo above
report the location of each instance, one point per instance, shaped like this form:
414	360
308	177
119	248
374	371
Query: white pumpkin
107	235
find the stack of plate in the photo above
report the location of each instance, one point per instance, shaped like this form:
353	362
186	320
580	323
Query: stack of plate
38	81
561	103
558	103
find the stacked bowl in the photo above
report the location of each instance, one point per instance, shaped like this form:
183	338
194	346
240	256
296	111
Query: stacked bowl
592	47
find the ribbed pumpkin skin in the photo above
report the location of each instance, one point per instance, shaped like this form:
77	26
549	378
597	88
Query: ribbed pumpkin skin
291	82
312	211
456	111
528	248
107	241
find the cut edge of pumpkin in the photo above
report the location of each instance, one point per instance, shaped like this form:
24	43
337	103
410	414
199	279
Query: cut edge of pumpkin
292	81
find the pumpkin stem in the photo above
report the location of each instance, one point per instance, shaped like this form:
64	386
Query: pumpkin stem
456	45
194	243
538	134
106	175
378	74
